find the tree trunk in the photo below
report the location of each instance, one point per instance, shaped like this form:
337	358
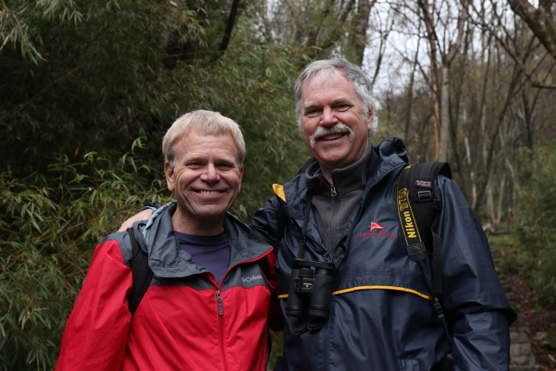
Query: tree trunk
540	20
431	36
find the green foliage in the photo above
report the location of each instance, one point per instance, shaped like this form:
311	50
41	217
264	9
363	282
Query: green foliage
536	226
513	258
82	76
98	79
48	235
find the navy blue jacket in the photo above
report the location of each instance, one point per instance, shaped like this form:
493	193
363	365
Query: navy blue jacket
380	318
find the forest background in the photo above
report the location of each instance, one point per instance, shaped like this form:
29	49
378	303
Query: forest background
88	89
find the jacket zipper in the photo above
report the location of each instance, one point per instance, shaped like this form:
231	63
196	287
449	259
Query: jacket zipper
219	303
333	192
220	306
220	328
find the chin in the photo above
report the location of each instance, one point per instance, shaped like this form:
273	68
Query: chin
211	213
333	157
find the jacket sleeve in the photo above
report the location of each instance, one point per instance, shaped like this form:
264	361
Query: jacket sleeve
96	332
476	307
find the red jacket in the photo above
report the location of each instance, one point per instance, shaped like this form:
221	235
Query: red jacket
185	321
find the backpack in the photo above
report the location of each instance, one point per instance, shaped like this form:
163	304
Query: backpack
141	272
417	212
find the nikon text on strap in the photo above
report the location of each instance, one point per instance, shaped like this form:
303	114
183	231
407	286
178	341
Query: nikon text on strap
417	211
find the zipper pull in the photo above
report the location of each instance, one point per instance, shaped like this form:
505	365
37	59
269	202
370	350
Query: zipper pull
219	303
333	192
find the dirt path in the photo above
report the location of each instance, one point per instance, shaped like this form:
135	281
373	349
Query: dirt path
525	352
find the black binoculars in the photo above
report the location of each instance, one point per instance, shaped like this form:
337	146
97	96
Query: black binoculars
310	289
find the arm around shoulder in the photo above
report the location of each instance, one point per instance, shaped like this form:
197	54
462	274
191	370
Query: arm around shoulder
144	214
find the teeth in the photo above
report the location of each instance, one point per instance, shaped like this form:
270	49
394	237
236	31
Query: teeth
332	136
209	192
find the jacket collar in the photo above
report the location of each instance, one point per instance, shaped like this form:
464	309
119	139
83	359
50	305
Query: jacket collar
387	155
167	260
346	179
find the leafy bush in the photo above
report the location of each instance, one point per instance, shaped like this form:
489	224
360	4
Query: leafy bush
536	226
48	236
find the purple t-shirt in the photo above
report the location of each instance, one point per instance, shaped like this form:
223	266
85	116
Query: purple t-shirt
209	252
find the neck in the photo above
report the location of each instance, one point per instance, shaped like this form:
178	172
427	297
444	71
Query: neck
352	174
198	227
328	176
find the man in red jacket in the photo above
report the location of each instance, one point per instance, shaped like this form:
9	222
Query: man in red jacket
209	299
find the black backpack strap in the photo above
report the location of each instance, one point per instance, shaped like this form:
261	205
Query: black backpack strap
421	181
141	272
417	210
265	266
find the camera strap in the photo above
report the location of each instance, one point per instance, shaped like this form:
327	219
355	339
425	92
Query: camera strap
305	222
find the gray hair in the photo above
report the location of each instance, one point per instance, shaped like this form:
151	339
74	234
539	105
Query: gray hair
205	122
326	68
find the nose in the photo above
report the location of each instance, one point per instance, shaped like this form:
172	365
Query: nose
328	117
210	175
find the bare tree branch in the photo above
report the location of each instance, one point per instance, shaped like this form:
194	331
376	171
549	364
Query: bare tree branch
540	20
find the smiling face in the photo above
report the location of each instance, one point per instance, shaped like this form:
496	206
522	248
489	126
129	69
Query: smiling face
334	126
206	179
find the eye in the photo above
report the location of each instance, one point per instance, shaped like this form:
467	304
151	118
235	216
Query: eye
225	166
342	107
194	165
312	112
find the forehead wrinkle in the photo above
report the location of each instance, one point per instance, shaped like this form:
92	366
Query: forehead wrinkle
316	102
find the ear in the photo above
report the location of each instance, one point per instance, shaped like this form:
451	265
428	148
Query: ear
169	172
240	175
370	119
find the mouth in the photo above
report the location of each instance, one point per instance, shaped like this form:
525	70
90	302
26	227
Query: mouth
336	132
209	192
331	136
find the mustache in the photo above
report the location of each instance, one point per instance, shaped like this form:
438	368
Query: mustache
338	128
